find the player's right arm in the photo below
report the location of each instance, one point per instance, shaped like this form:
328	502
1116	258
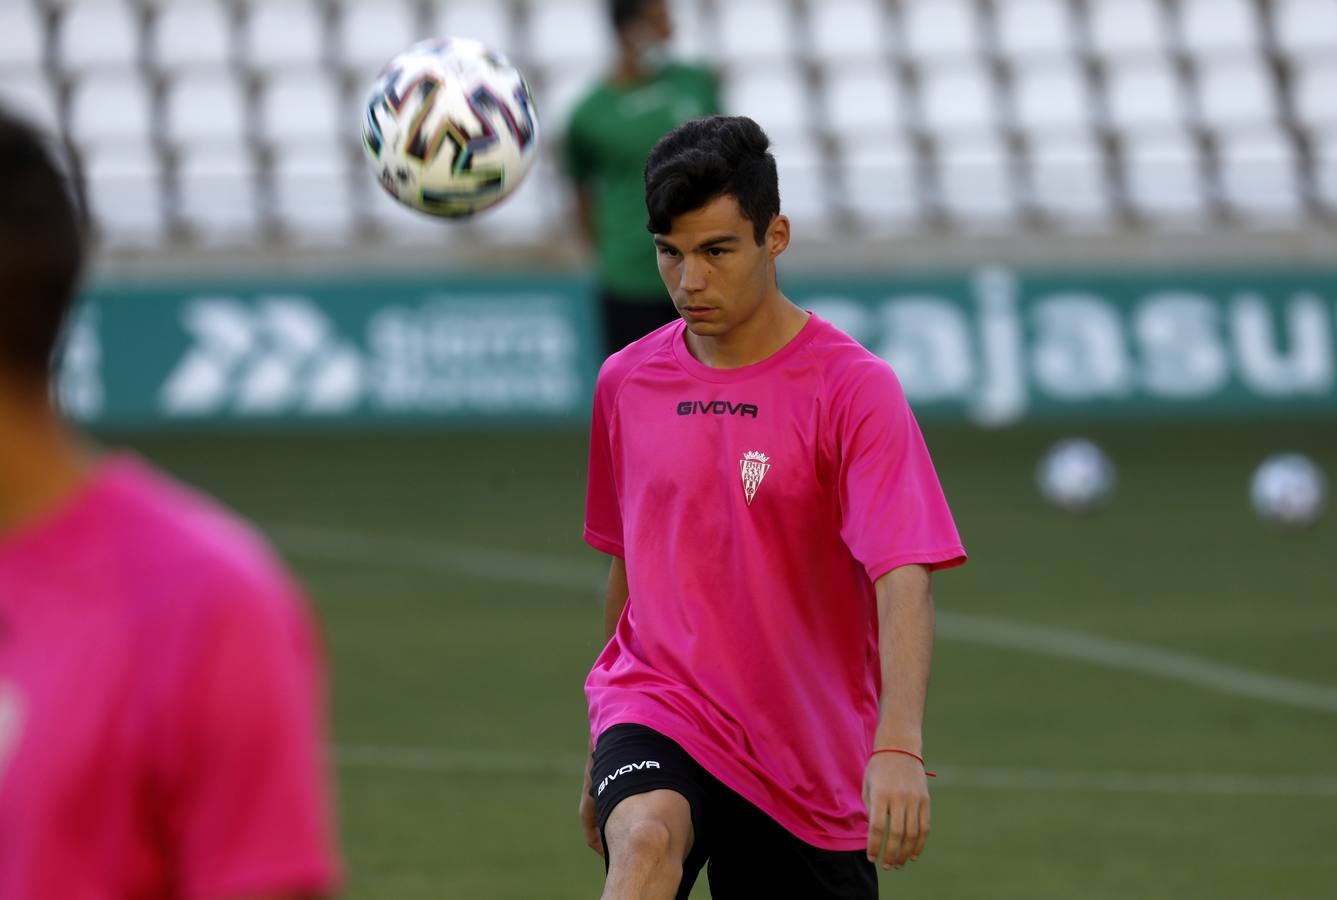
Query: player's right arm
615	600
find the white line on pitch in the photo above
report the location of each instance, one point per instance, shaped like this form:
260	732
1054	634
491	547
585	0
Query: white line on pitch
484	762
541	570
1132	657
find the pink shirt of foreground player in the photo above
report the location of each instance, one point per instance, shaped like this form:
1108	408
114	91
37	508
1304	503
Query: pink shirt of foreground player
161	721
755	507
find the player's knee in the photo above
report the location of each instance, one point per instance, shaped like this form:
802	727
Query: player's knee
649	840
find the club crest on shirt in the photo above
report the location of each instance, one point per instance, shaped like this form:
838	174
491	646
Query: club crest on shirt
754	465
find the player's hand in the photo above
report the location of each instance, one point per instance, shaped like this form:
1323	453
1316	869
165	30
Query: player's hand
587	816
895	793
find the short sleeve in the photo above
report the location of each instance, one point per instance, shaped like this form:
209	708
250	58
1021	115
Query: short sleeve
248	807
603	509
893	512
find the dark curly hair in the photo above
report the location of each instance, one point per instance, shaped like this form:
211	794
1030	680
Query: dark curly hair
42	227
707	158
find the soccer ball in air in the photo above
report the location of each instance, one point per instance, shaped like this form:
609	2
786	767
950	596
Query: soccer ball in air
1288	489
450	128
1075	474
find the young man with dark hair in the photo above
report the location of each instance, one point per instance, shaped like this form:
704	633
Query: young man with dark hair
161	721
608	135
773	518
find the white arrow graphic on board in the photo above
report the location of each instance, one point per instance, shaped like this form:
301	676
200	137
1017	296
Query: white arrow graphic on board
277	355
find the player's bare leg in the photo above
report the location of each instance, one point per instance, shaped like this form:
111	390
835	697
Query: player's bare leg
648	837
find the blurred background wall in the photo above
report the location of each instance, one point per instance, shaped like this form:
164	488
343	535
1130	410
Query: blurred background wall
1172	163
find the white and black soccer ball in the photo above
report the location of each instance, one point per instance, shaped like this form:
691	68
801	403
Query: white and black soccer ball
450	128
1288	489
1075	474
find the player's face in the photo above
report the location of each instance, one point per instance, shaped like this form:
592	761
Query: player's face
716	273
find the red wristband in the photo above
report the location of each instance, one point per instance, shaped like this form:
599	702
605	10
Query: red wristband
904	753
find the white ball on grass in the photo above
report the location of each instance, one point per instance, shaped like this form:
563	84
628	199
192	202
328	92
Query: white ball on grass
1075	474
1288	489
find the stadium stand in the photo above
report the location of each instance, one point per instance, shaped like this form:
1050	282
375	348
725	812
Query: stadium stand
224	121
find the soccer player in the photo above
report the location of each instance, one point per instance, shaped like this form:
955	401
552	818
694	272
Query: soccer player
611	130
161	721
773	518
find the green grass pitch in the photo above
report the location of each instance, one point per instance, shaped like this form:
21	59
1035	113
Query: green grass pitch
461	613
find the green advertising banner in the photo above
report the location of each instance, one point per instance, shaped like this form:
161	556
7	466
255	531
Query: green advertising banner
993	346
348	351
998	347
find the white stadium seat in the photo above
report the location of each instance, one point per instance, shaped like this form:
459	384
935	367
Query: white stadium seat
940	30
1144	96
97	34
217	195
807	192
191	34
1316	94
298	107
1033	29
777	100
958	99
556	96
1124	28
202	108
861	100
400	225
312	195
1325	174
975	183
284	34
21	39
1306	27
1068	180
487	22
371	32
756	31
125	194
30	95
1236	92
1218	27
1260	176
881	184
1163	173
567	32
523	217
1051	96
842	31
693	39
109	108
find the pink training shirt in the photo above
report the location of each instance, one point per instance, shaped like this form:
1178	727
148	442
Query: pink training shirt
755	507
161	721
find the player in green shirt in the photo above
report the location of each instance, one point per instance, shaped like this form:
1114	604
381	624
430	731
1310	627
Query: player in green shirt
609	135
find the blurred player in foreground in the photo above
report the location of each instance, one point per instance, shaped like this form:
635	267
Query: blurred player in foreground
609	134
773	517
161	710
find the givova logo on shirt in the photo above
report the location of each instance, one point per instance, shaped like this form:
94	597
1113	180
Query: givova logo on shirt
627	770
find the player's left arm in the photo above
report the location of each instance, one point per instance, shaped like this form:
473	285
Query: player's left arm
895	785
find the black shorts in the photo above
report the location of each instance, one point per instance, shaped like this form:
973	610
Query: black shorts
746	853
627	319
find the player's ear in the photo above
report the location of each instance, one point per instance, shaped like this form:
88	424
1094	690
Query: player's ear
777	235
